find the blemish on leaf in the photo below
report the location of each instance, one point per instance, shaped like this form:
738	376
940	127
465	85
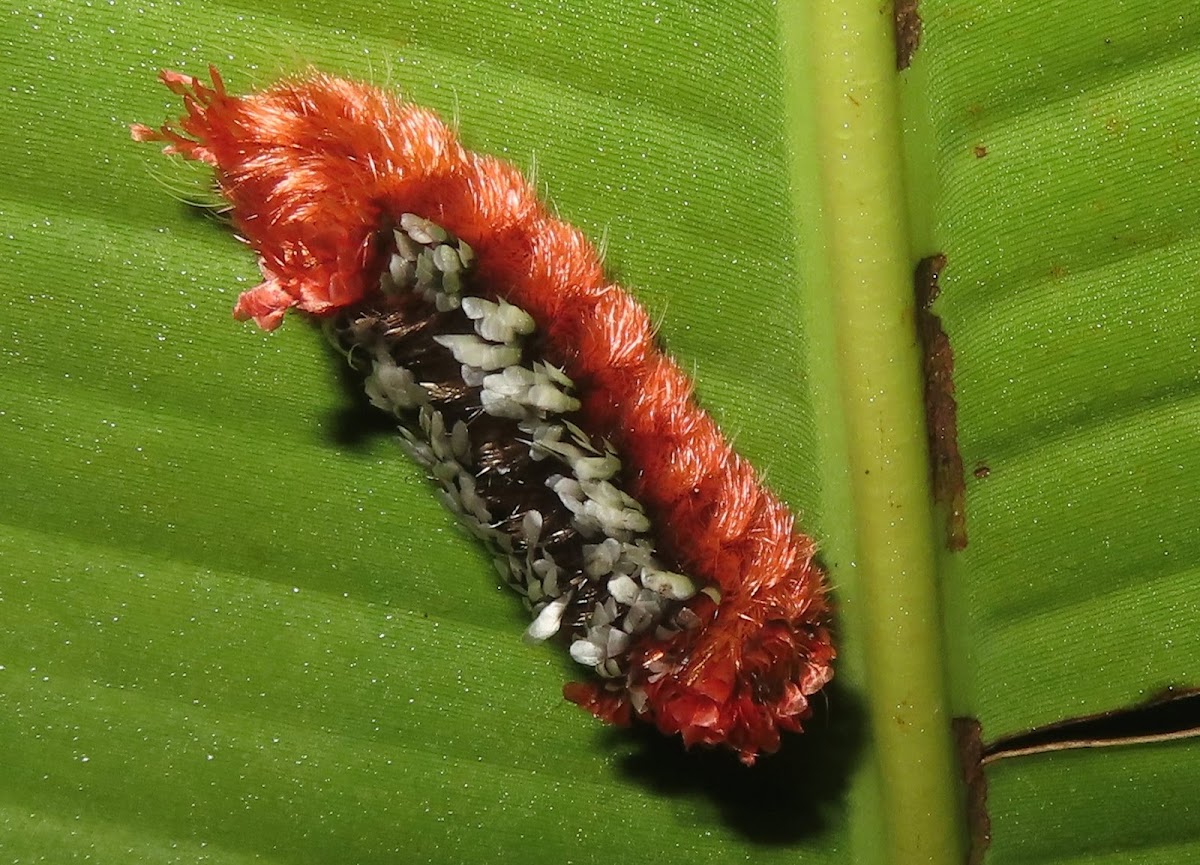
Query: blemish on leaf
1174	713
982	470
907	23
969	744
980	151
1116	125
941	411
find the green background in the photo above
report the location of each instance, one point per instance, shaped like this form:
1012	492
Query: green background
236	627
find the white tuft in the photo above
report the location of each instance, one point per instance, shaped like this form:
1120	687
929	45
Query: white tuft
460	442
618	642
548	621
596	468
623	589
531	527
469	350
669	584
549	398
586	652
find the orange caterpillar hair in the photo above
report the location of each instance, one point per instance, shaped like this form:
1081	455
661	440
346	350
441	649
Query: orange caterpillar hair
315	167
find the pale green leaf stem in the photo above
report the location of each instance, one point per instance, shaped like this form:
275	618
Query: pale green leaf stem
869	266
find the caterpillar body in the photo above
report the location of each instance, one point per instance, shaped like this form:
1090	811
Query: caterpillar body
533	392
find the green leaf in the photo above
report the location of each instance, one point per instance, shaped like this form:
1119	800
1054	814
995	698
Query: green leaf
238	627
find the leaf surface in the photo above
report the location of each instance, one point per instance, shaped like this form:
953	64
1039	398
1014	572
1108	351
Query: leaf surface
239	628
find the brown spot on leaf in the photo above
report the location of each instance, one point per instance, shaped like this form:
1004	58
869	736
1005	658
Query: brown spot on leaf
982	470
907	24
941	412
969	743
980	151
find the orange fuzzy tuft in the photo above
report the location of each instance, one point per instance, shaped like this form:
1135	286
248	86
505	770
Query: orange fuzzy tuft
315	167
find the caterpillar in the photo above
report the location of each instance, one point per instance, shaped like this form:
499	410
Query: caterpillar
534	393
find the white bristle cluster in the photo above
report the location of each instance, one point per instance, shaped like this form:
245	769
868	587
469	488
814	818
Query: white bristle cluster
637	593
498	322
428	261
516	390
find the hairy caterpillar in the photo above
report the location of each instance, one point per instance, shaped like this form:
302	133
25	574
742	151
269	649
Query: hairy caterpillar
532	390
